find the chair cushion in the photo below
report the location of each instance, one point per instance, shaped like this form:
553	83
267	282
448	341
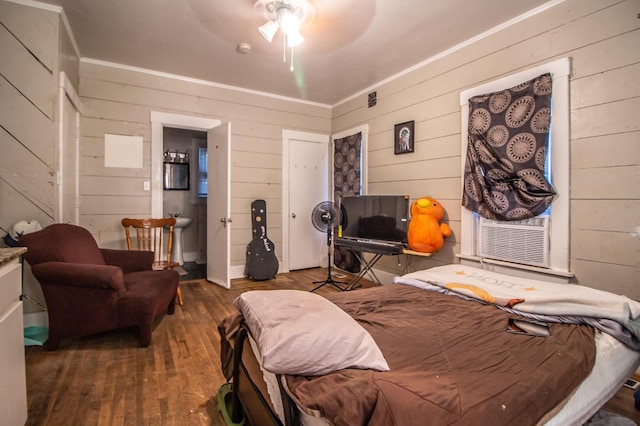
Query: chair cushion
62	242
148	292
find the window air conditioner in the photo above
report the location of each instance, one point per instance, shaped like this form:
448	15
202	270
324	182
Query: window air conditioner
524	241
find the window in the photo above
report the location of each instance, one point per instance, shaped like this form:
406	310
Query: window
199	171
202	172
558	237
361	159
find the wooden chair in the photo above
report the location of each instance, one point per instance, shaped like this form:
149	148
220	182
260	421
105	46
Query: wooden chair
149	236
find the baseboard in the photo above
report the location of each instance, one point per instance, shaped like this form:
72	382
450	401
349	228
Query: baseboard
36	319
237	272
189	256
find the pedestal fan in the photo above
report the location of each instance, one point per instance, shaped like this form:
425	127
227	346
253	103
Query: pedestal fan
325	218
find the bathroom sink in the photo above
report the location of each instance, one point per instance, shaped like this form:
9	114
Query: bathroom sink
176	250
182	222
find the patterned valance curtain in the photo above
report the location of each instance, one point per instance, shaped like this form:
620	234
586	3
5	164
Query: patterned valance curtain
504	175
346	181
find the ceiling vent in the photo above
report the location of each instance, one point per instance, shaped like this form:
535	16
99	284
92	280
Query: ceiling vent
373	99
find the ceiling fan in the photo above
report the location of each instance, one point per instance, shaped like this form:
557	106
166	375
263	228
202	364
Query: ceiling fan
286	15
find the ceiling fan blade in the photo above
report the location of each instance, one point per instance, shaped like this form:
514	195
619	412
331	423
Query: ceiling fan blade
260	8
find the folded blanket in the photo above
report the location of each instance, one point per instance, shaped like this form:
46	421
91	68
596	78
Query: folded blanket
615	314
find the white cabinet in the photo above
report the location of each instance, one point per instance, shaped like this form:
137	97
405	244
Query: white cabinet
13	385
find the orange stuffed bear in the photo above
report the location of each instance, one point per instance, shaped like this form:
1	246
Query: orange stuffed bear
425	234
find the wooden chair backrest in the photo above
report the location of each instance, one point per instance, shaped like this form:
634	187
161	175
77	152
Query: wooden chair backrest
149	236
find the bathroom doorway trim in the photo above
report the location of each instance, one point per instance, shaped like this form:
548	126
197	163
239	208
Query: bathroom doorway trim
160	120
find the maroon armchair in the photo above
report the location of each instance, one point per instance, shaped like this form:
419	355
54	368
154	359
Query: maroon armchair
90	290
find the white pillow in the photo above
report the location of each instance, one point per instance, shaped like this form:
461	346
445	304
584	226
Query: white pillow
300	332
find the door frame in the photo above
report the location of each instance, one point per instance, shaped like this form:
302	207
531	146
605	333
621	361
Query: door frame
287	137
160	120
67	91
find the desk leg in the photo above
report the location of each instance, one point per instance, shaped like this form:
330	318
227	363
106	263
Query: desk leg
367	269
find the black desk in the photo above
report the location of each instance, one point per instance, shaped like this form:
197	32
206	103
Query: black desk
378	250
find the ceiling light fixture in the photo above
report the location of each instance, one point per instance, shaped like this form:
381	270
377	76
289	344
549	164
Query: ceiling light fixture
286	15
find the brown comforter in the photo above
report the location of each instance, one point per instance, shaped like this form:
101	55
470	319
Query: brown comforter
451	362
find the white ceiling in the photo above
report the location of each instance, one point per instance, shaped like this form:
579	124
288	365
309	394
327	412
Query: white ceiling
350	46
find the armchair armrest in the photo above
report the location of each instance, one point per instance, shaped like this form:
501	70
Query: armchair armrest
80	275
129	260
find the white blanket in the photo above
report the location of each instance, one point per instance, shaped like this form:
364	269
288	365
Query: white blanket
530	296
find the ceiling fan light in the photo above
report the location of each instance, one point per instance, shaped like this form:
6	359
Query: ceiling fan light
289	22
294	39
286	15
269	30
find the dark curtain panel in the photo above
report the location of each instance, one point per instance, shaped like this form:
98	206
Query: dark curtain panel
504	175
347	153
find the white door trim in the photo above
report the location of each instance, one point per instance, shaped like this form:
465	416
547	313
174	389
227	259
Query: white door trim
67	91
287	136
158	121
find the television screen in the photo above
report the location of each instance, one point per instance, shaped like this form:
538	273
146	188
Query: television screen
375	217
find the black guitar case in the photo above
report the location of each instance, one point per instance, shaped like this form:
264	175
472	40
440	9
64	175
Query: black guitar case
262	263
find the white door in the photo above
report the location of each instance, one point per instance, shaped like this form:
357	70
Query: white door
67	187
308	171
218	210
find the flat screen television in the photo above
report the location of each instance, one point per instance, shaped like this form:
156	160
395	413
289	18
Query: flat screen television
375	217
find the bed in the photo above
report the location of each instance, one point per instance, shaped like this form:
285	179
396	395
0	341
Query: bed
434	346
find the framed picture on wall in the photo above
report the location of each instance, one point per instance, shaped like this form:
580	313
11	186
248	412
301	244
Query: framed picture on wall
403	137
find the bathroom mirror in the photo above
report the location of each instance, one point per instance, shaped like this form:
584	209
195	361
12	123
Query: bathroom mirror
176	176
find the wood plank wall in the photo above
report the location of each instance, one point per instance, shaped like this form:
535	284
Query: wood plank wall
602	38
28	93
35	48
120	101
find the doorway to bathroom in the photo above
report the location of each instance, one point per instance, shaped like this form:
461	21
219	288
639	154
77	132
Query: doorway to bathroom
218	137
189	199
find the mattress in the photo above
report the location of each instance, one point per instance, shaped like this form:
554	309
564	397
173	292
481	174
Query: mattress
615	363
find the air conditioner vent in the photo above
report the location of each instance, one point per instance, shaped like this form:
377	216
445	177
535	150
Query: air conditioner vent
372	99
525	241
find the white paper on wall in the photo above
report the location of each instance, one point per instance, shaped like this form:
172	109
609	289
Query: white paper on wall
123	151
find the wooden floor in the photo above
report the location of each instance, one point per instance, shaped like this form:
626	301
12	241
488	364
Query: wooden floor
108	380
